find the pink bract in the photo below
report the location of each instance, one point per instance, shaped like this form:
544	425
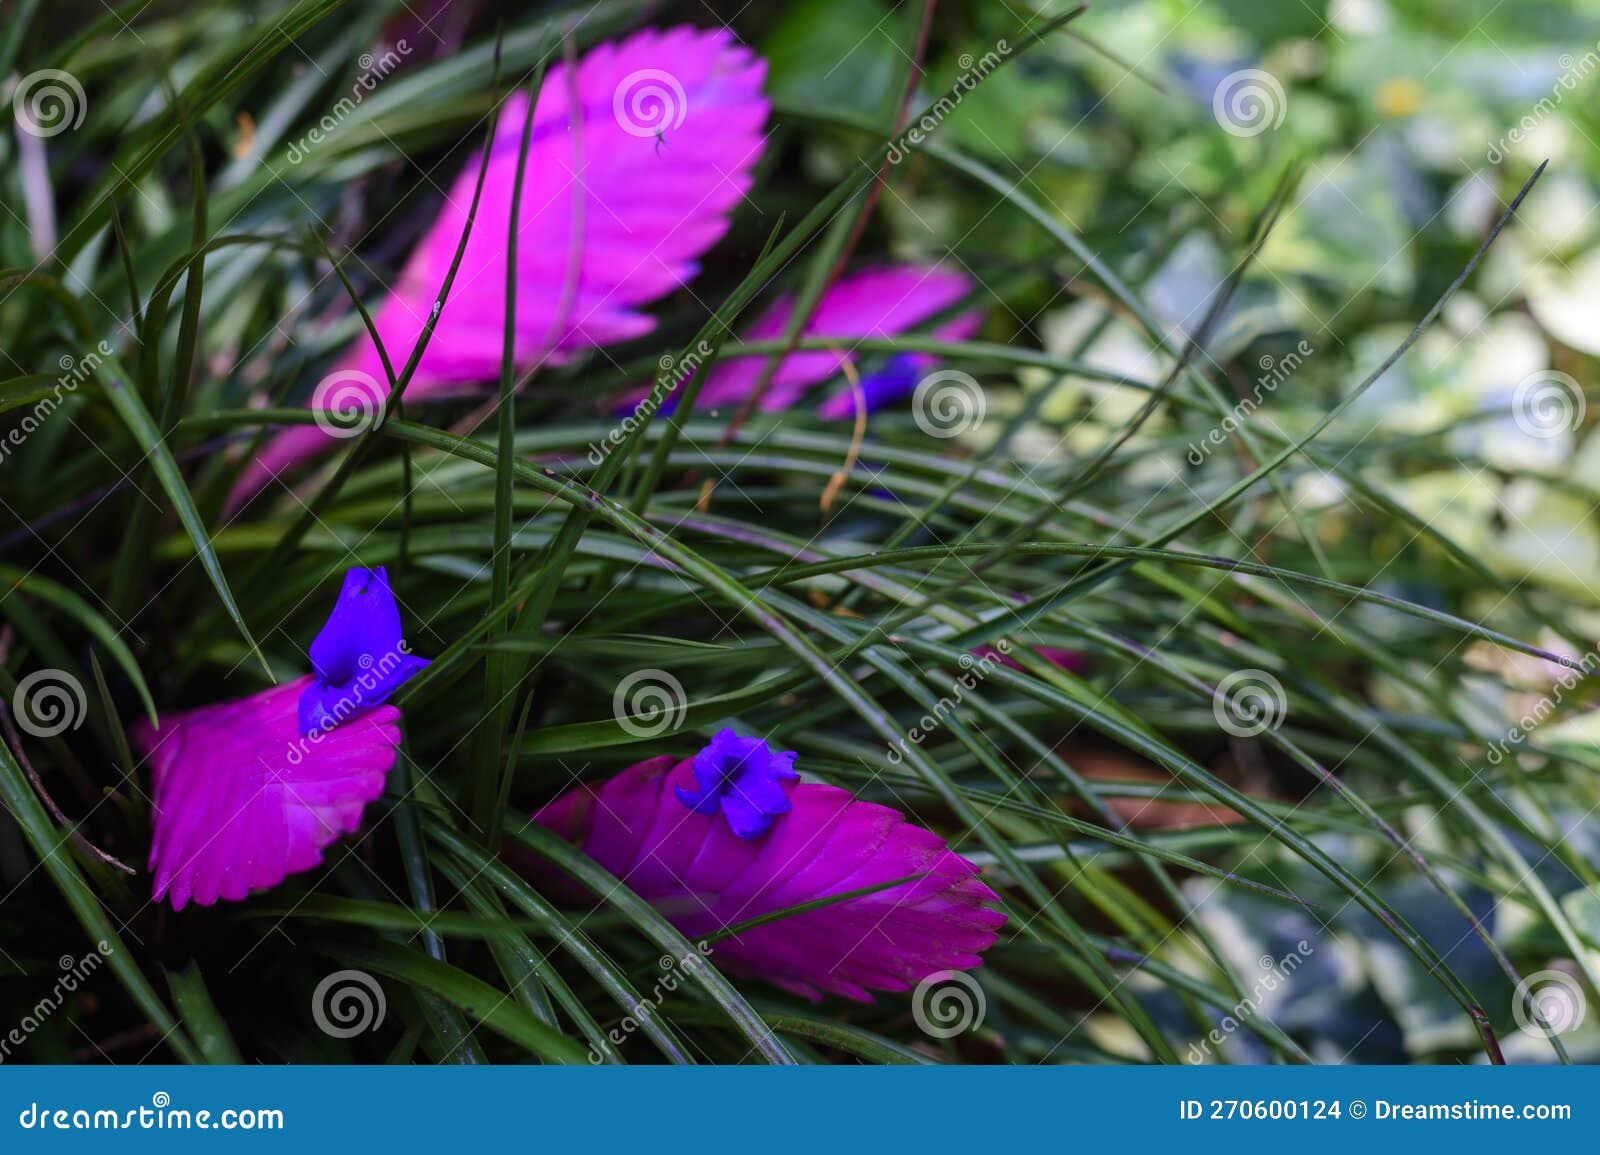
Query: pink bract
706	879
242	799
635	162
873	304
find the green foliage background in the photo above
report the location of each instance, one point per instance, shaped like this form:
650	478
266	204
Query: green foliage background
1387	543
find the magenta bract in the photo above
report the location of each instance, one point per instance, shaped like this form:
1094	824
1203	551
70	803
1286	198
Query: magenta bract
243	799
872	304
636	160
705	878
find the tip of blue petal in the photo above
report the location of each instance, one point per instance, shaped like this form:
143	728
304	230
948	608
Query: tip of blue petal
358	579
359	656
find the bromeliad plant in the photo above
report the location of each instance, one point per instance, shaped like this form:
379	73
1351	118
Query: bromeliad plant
727	838
894	630
584	210
245	793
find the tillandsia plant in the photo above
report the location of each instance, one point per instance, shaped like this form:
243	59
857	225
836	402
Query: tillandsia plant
808	533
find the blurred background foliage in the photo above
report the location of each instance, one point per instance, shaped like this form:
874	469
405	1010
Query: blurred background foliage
1414	122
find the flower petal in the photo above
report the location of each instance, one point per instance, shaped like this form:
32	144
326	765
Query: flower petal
746	819
896	381
873	304
364	624
359	656
746	776
325	705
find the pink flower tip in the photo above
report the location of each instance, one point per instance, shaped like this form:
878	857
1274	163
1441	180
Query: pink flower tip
637	159
243	799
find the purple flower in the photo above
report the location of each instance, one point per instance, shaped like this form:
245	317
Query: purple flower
743	778
360	657
250	791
